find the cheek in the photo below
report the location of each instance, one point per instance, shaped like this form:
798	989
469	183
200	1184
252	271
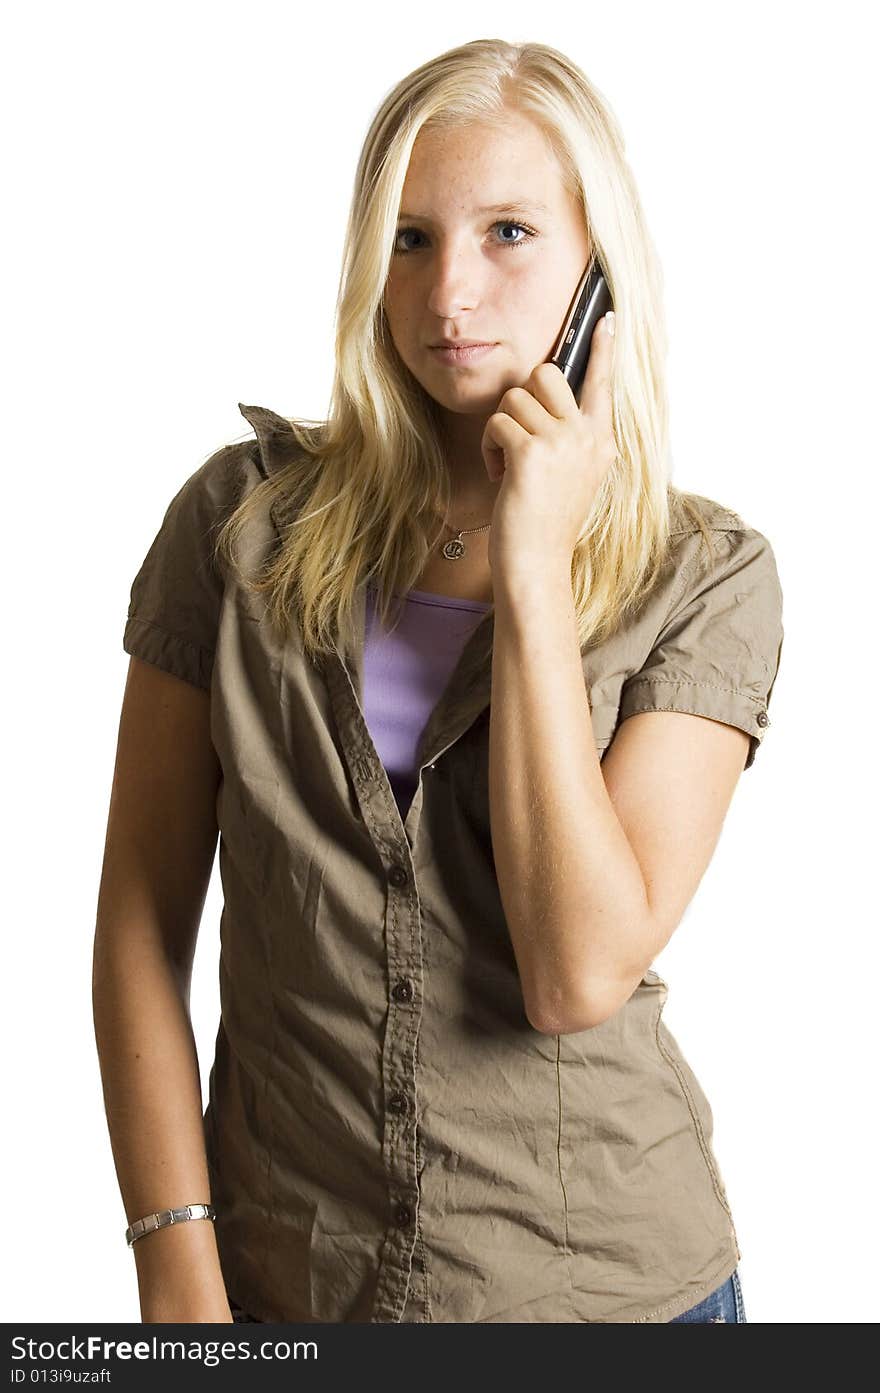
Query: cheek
396	302
550	306
533	317
533	287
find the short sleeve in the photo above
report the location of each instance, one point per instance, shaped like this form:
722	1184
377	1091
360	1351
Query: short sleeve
176	595
718	652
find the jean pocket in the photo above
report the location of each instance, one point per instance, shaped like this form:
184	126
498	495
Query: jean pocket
738	1299
722	1306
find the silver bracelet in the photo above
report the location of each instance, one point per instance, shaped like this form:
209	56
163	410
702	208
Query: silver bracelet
165	1217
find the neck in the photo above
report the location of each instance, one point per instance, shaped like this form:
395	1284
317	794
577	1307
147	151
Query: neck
472	492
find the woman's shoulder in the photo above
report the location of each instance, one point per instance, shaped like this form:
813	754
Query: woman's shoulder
687	510
714	551
235	469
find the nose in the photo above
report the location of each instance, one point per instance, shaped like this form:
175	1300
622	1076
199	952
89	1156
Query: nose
454	277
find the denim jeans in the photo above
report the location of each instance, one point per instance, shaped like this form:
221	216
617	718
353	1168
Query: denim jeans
723	1304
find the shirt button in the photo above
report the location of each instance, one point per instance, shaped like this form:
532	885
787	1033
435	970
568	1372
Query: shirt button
402	990
402	1215
398	1102
762	718
397	875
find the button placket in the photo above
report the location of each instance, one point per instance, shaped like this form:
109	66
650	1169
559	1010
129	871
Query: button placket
403	940
399	1150
402	943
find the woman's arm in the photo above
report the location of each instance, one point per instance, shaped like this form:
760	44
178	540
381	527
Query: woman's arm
159	850
596	863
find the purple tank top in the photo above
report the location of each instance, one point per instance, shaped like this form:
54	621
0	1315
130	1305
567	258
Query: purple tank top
405	673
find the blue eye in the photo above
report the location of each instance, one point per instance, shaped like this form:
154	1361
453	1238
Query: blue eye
522	227
505	242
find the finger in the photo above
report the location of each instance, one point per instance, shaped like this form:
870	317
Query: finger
526	406
595	394
502	434
549	385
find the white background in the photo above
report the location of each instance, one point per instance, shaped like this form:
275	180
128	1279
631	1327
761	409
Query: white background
178	179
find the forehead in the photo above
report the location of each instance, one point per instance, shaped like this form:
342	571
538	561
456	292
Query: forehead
483	164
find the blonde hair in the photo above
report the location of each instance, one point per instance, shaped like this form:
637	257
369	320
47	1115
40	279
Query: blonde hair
367	490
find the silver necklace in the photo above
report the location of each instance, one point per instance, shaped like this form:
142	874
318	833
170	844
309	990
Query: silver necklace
455	547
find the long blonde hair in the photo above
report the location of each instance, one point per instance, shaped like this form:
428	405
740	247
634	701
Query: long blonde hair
366	491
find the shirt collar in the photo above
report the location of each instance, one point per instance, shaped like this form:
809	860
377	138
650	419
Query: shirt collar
470	690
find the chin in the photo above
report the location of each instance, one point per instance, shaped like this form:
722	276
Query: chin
469	403
468	391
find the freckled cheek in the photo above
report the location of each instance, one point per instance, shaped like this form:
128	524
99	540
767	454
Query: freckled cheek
533	318
550	313
529	290
398	309
396	319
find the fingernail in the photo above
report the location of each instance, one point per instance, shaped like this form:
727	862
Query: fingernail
608	321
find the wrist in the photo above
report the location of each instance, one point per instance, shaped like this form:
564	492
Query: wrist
528	585
186	1308
178	1258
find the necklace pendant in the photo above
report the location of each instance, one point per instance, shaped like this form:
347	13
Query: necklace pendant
454	548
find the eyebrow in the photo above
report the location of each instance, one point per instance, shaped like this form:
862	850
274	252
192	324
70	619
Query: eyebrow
513	205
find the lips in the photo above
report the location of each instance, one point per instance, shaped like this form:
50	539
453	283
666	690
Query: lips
463	353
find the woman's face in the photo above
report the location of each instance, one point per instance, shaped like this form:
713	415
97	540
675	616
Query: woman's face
490	247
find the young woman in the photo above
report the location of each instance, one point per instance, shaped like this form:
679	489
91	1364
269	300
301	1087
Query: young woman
465	685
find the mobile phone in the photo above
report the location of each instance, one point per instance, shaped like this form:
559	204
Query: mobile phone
591	300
